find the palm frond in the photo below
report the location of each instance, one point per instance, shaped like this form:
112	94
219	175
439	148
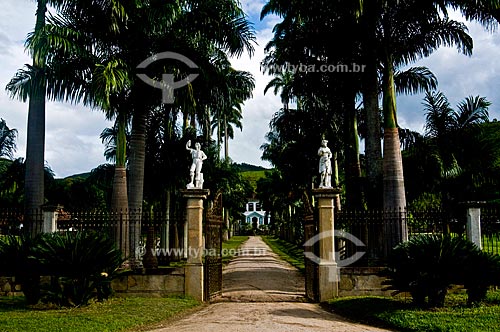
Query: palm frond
415	80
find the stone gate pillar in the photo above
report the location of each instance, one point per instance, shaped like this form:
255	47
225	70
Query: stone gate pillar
328	274
193	284
473	224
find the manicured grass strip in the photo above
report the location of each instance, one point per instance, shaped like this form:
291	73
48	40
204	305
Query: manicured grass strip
230	247
402	316
117	314
289	252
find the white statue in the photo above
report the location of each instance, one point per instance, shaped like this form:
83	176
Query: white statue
325	165
195	170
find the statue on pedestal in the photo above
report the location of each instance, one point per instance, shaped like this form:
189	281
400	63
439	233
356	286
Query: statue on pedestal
325	165
195	171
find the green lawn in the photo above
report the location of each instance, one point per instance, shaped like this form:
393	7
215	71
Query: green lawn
117	314
491	243
287	251
230	247
400	315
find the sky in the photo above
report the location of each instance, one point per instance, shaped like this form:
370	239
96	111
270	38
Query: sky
72	143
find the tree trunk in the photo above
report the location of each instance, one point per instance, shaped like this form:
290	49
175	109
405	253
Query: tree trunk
219	135
136	181
354	193
370	90
373	149
119	197
119	204
165	234
208	129
35	145
394	187
226	140
225	233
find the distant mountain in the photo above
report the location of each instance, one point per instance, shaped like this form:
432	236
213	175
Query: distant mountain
78	176
250	168
243	167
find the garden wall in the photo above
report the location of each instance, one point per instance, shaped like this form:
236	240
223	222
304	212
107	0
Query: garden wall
164	282
9	287
361	281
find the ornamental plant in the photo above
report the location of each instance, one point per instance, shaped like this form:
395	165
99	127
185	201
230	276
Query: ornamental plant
427	265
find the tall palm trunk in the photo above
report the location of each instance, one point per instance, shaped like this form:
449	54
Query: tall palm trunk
119	197
373	149
354	193
136	181
226	140
370	85
119	203
219	134
207	124
394	187
34	176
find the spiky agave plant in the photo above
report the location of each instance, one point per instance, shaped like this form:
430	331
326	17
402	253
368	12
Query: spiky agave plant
82	265
426	266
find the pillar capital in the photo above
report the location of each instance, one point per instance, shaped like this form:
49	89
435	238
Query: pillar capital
326	192
195	193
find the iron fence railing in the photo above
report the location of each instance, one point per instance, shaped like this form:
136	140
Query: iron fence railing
490	229
376	232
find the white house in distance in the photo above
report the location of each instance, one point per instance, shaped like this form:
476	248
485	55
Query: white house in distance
254	214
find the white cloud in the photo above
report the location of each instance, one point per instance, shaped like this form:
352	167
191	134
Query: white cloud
252	7
258	111
459	76
72	142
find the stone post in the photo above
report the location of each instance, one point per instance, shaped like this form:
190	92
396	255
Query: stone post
50	218
473	226
328	274
194	282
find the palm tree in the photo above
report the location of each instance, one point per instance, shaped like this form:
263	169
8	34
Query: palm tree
35	145
61	70
221	24
416	36
7	140
282	81
455	157
446	127
232	87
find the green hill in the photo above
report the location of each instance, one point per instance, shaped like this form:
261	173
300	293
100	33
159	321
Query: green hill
253	177
78	176
250	168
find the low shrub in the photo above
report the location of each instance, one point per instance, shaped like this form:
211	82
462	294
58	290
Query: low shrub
481	272
427	265
81	266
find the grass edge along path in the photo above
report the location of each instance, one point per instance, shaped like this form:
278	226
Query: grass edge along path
400	315
115	314
288	252
231	246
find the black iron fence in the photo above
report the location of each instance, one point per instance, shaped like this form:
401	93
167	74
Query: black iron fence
154	235
375	233
11	221
490	229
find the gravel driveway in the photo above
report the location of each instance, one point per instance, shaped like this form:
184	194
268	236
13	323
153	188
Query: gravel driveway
263	294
